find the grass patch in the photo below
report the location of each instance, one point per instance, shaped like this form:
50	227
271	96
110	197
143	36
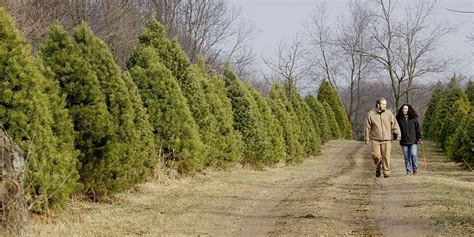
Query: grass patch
452	190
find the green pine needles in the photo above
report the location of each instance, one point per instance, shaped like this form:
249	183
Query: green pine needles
225	143
31	110
320	118
115	152
329	94
287	119
449	121
174	128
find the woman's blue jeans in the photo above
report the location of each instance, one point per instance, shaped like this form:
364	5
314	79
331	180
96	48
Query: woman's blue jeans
411	160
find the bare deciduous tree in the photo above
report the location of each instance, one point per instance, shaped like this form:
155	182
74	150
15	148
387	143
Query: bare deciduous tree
209	28
291	66
33	17
116	22
419	42
320	38
355	66
404	47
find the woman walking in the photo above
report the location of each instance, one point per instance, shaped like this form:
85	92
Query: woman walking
411	135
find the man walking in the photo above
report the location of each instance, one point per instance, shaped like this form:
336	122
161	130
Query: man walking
379	126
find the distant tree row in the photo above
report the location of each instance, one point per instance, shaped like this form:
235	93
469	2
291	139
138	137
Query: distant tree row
88	126
449	120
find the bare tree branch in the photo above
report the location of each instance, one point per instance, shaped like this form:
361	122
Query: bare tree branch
292	64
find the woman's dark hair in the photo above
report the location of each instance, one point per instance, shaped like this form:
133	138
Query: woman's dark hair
411	112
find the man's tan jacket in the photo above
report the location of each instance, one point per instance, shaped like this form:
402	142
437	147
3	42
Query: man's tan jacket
379	126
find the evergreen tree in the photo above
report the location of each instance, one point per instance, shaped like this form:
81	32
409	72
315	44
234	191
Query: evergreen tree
336	133
454	127
316	145
428	128
460	148
176	60
143	144
227	144
442	118
273	132
329	94
448	121
176	132
470	92
454	118
309	134
63	128
28	114
124	166
320	118
283	111
246	119
87	106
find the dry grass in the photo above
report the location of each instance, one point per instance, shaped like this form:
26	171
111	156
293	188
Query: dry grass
453	189
450	187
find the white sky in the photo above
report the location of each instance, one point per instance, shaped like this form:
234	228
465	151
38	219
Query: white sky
282	19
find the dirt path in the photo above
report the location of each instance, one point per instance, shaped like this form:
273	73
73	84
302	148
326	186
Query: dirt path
335	203
332	194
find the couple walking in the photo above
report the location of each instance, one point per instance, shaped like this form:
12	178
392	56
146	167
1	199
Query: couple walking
379	126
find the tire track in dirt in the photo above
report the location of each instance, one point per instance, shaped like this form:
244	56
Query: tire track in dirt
405	205
313	205
335	204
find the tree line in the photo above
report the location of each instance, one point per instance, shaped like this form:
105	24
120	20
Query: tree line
212	29
87	125
389	48
449	120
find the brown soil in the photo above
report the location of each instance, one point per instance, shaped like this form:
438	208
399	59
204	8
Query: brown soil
335	193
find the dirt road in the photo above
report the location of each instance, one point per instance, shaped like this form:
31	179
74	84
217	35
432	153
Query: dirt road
336	193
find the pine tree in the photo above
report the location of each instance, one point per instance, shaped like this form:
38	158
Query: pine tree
176	132
176	60
63	129
329	94
227	144
87	106
316	145
442	119
283	111
448	121
309	134
143	144
456	113
454	129
246	119
320	118
272	129
428	128
124	166
28	115
336	133
470	92
460	148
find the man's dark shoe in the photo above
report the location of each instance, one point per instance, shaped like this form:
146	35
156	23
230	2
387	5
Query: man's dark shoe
377	173
386	175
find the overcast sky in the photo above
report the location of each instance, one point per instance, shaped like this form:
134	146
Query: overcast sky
279	20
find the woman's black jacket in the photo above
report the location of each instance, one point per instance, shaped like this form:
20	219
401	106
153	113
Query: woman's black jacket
410	130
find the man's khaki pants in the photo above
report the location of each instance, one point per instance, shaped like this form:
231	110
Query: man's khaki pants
381	155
